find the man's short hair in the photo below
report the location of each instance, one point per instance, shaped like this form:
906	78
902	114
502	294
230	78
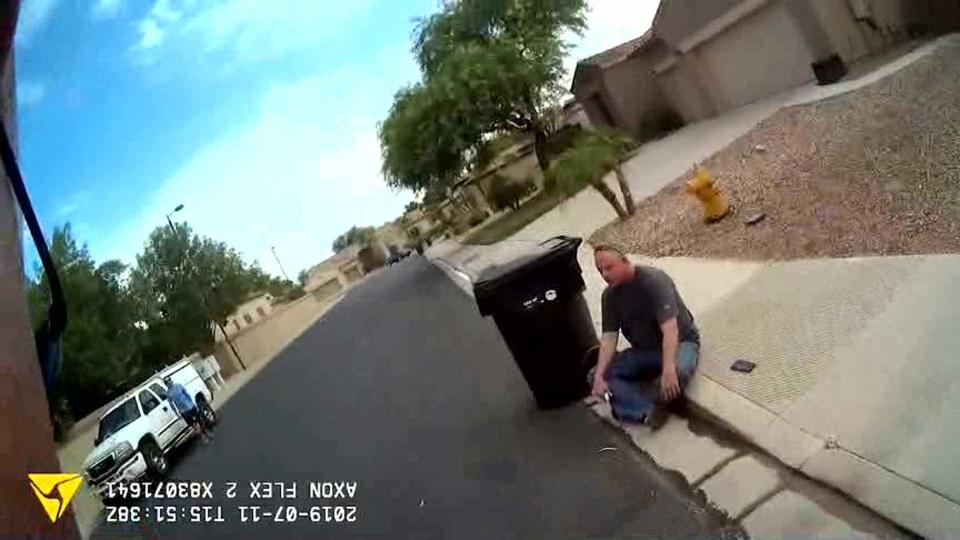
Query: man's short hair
606	247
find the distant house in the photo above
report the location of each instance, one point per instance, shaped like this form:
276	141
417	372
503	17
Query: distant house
418	224
702	58
256	308
616	88
392	237
518	163
335	274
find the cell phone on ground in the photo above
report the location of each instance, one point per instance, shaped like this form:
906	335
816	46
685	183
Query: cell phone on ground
743	366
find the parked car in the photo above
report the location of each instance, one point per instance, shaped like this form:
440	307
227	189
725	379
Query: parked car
137	433
401	254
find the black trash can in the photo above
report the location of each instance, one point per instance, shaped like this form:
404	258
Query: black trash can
829	70
537	304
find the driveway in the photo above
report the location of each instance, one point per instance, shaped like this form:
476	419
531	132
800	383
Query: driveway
404	389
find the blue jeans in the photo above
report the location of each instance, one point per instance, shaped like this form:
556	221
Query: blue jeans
634	379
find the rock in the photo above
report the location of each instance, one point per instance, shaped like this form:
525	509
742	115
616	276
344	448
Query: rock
893	186
753	219
760	148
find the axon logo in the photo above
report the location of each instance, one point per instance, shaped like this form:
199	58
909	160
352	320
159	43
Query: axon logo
55	491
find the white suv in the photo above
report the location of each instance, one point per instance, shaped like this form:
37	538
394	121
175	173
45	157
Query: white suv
138	431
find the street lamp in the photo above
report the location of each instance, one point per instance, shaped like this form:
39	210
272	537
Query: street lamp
284	272
170	221
214	287
226	337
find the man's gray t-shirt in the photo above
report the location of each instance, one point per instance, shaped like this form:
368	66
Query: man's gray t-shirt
639	307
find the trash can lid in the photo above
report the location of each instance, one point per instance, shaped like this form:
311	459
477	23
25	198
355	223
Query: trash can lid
538	257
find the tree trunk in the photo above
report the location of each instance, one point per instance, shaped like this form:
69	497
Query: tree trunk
625	191
540	147
611	198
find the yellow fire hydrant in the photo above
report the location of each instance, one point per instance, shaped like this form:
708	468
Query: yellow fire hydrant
702	186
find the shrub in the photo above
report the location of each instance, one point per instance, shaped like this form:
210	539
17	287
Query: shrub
476	219
659	124
529	185
506	194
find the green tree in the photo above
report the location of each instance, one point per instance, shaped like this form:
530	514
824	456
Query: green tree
182	283
280	289
411	206
492	147
360	236
124	323
99	347
488	67
592	155
303	277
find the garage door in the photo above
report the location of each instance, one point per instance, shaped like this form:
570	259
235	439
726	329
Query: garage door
327	290
682	95
761	55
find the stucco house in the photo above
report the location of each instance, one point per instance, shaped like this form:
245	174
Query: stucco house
704	57
256	308
392	237
335	274
615	87
418	224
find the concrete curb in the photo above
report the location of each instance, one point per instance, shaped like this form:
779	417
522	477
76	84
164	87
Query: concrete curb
459	277
899	499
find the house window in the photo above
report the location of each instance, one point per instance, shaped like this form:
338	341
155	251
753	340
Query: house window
248	318
261	312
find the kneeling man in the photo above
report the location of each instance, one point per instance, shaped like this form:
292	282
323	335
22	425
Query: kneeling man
643	303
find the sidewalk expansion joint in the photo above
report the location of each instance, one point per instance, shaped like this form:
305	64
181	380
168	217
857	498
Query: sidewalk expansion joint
758	503
719	466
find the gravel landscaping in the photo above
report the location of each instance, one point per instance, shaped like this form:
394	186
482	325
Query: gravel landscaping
872	172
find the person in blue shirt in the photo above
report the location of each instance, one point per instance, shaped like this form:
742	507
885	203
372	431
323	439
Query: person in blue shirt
186	408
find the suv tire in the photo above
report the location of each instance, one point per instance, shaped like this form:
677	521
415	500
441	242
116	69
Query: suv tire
157	463
206	412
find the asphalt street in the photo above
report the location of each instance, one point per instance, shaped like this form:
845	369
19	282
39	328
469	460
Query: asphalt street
403	389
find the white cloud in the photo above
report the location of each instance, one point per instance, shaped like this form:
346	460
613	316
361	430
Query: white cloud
106	9
610	23
151	35
30	92
34	15
305	170
154	27
238	31
71	205
164	11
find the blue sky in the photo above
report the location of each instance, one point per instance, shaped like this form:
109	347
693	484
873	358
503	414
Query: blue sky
260	117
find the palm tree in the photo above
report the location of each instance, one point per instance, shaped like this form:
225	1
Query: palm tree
591	156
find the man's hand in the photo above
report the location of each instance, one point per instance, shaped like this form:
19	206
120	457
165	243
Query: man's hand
669	384
599	386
